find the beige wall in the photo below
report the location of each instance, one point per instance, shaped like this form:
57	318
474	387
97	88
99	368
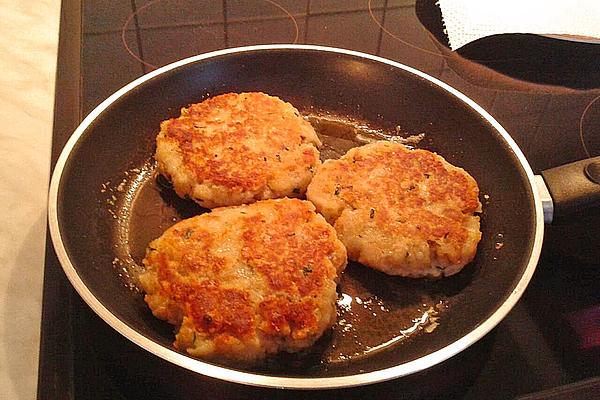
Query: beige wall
28	44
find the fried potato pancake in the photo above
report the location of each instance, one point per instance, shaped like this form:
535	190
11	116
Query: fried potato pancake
235	149
245	282
403	212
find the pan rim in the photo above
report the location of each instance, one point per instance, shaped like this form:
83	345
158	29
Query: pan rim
260	380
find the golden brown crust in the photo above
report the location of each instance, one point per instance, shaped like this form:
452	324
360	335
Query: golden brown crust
404	212
237	148
246	281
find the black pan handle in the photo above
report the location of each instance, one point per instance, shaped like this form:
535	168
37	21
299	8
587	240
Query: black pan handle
570	189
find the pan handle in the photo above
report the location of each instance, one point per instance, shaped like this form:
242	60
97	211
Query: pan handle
570	188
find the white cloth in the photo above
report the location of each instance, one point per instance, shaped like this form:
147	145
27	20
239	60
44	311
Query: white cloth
469	20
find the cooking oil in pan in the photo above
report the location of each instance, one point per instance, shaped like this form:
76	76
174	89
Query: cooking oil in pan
339	135
141	208
376	311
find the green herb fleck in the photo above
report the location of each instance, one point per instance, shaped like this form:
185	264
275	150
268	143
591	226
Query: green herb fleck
338	189
296	190
188	233
372	213
306	270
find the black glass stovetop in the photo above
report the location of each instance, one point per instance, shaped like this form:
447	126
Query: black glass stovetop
542	90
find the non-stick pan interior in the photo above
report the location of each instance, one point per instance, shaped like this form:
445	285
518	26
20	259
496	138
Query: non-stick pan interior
108	178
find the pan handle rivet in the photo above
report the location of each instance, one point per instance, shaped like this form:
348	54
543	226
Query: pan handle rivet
592	170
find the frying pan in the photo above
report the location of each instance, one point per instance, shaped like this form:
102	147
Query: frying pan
106	203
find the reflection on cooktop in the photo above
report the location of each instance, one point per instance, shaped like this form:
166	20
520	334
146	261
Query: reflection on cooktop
170	30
